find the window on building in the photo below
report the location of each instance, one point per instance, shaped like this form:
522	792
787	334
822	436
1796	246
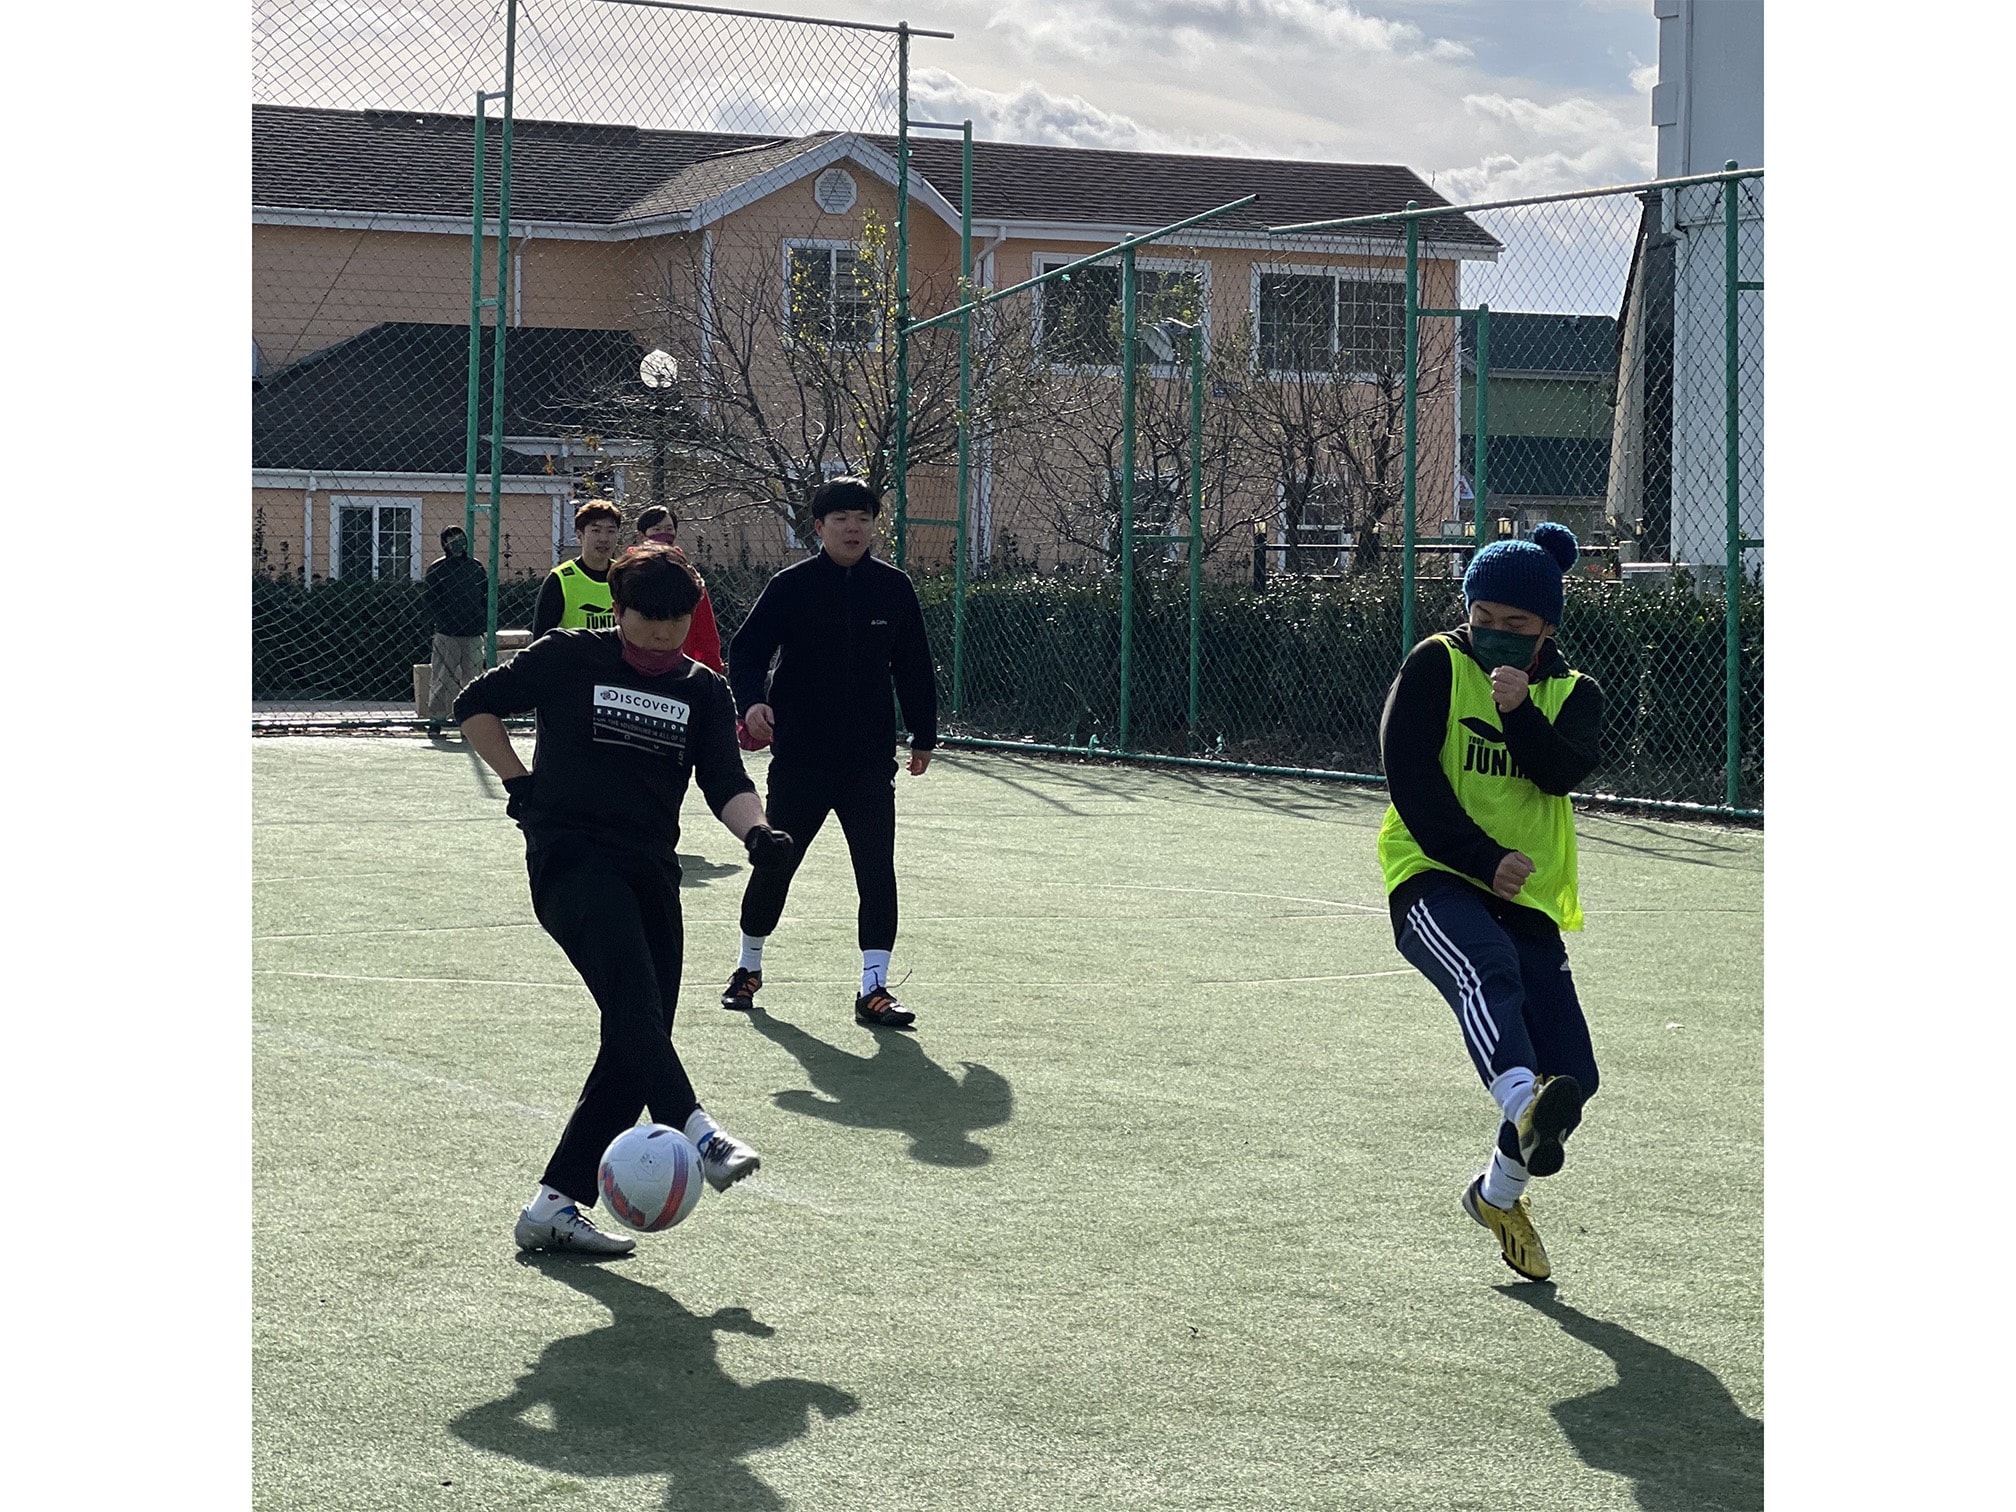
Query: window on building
1313	322
374	538
829	296
1312	530
1078	316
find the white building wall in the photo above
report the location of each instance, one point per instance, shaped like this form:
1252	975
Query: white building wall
1709	108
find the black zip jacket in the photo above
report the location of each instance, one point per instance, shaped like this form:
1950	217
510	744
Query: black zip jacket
1557	755
838	635
615	747
457	591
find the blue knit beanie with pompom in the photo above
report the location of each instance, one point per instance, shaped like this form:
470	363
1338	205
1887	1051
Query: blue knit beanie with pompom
1525	574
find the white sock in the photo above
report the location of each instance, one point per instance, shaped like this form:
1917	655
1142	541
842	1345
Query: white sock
700	1127
546	1202
752	952
1504	1181
874	970
1512	1091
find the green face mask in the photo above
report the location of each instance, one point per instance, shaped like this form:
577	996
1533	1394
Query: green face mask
1501	648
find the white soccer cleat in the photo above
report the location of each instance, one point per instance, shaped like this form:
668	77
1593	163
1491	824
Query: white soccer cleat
725	1160
567	1229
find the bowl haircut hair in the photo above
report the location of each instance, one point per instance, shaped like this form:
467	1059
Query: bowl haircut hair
653	580
654	516
592	511
844	493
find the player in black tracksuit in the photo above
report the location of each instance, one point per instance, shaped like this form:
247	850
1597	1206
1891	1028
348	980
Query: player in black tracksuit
624	720
838	627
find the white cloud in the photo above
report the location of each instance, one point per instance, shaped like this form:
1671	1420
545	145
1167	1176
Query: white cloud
1031	113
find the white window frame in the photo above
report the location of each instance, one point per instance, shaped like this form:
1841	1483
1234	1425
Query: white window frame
1045	262
1336	275
374	502
1346	541
820	244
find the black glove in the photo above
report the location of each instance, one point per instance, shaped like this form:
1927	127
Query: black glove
519	791
769	847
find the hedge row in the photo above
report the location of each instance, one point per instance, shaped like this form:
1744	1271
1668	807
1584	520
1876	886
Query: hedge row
1292	676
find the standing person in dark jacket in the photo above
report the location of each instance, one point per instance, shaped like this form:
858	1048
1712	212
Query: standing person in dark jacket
624	720
1486	731
457	592
839	626
575	595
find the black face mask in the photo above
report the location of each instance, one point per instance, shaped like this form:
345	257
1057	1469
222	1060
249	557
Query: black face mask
1501	648
456	546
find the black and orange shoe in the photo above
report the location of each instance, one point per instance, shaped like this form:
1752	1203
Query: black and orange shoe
878	1009
740	993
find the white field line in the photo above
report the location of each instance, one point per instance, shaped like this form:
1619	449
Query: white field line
1221	892
991	982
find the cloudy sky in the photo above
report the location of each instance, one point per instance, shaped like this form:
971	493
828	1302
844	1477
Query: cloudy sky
1491	98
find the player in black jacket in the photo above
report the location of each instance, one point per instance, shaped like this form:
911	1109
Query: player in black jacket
624	719
838	626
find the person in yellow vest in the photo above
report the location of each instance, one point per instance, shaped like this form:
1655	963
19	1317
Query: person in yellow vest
575	595
1487	730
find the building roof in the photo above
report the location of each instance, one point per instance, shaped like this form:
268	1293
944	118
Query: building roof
1541	467
384	162
1566	344
393	398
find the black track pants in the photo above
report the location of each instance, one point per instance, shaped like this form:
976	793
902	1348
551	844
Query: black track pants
616	914
864	801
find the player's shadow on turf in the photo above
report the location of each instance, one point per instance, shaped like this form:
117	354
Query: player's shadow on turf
698	871
898	1087
1668	1423
645	1395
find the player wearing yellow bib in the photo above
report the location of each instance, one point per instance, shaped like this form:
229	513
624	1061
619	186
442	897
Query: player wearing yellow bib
1486	731
575	595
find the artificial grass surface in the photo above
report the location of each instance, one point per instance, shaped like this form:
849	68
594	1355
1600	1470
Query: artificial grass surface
1157	1210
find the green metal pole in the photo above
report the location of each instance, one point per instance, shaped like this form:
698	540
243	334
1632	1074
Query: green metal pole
962	544
499	326
1479	511
1196	527
1732	544
1126	497
476	303
1407	424
900	451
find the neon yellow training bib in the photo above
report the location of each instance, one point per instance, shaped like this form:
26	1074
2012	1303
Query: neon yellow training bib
1503	800
588	605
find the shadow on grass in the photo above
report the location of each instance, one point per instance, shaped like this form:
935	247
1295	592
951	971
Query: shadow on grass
898	1087
1668	1424
645	1395
698	871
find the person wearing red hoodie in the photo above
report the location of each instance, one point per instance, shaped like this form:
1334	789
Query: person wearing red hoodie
703	643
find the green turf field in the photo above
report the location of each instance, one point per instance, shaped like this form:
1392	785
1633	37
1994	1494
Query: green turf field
1158	1210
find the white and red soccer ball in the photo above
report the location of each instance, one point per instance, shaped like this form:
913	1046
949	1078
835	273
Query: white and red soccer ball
650	1177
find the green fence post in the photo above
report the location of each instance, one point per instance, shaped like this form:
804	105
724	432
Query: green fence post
498	325
962	545
1407	425
900	451
1126	496
1732	545
476	305
1480	511
1196	526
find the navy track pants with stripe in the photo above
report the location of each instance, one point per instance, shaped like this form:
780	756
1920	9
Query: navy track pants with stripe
1513	994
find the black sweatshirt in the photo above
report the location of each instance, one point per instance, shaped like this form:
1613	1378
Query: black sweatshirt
1557	755
615	747
457	591
838	635
553	598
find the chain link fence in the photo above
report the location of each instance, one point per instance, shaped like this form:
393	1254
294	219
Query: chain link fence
1190	501
474	219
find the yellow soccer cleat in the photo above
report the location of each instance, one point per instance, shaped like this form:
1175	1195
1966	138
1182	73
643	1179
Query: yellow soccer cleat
1517	1241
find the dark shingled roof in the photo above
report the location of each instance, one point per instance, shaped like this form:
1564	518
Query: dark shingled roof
393	398
1547	343
406	163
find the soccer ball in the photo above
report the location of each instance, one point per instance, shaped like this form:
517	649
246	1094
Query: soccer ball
650	1176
